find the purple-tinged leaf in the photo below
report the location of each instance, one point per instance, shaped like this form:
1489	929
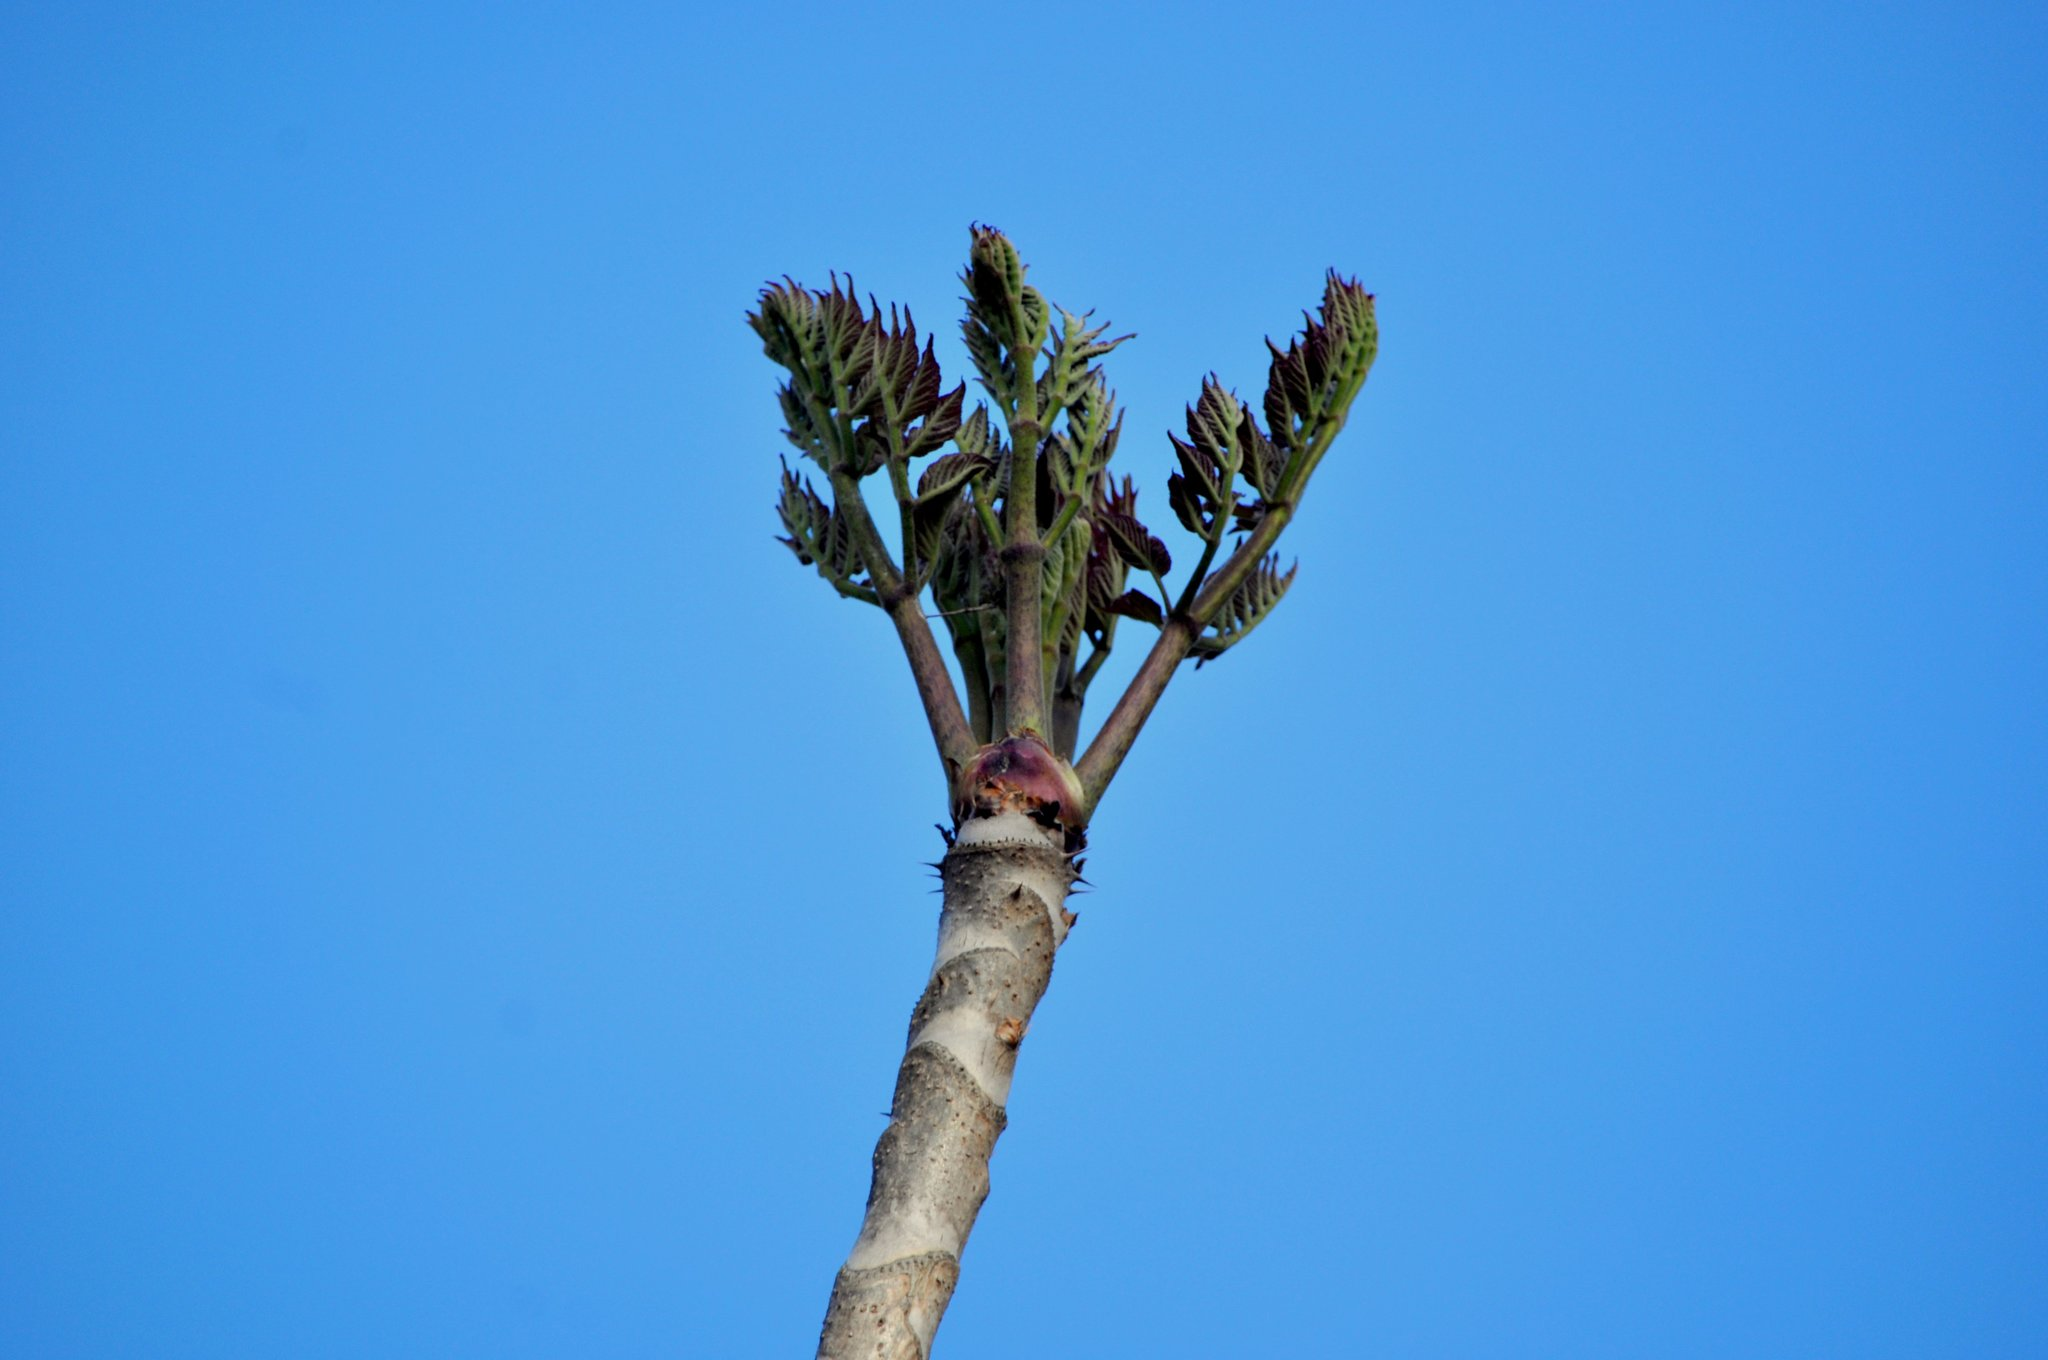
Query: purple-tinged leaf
1136	604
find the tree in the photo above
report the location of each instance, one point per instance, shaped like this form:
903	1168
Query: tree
1028	546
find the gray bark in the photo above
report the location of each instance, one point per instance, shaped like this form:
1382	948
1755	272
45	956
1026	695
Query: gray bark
1006	881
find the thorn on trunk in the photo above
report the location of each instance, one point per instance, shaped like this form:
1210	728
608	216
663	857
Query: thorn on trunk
1070	916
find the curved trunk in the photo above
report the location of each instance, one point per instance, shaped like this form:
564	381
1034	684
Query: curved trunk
1006	879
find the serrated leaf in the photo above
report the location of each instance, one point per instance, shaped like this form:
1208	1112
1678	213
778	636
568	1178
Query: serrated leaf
803	513
975	437
802	429
786	319
1058	462
820	537
998	300
1094	423
1116	516
1247	607
1212	423
1311	382
1222	438
1190	507
858	368
1066	581
945	475
1037	319
1134	543
1106	572
940	424
870	447
985	350
929	521
1262	460
1068	373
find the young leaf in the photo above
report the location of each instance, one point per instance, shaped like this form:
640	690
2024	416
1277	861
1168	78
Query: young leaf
1312	382
1210	456
1068	358
1245	610
819	537
1117	517
1136	604
1007	319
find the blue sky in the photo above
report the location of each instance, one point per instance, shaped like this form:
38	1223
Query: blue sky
463	881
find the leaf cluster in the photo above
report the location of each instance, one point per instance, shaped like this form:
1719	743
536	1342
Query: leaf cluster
860	393
864	396
861	396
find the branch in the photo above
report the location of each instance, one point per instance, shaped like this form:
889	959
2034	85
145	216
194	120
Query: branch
950	730
1120	729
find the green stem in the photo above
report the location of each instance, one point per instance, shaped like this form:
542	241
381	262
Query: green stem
985	511
1024	557
1200	573
967	649
1068	509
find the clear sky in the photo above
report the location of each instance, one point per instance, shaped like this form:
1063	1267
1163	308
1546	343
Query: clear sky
463	883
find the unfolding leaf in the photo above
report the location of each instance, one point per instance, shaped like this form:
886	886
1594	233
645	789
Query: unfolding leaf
1068	373
1136	604
975	437
820	537
948	473
1192	497
1006	320
1311	382
1223	441
1117	517
855	369
939	424
1245	610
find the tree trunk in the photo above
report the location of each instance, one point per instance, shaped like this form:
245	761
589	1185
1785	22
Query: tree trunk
1006	879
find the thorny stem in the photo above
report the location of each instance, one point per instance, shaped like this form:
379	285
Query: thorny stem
1006	880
